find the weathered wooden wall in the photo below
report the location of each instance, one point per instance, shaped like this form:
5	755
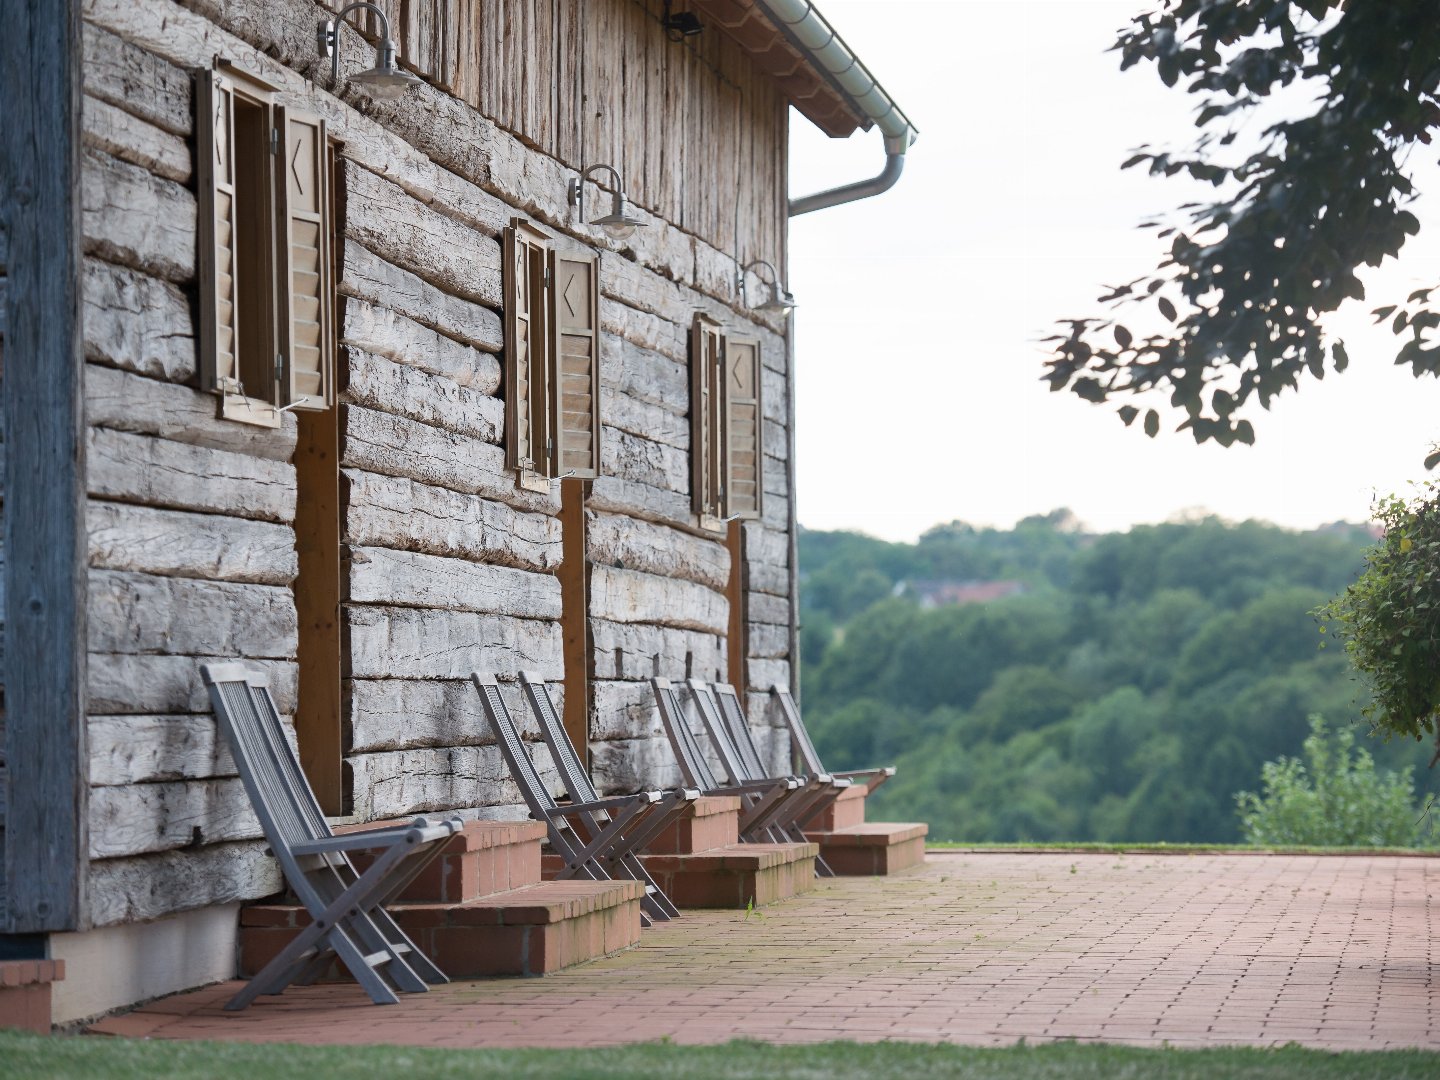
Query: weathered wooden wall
448	566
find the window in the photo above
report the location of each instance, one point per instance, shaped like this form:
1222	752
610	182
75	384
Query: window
552	357
725	424
267	322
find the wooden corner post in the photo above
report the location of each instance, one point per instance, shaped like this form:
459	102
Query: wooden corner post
46	847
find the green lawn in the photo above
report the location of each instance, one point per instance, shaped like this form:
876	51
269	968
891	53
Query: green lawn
94	1057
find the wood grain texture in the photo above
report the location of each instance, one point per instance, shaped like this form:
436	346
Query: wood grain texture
412	579
625	542
148	886
137	322
381	384
140	818
144	539
367	276
379	330
147	749
429	644
146	613
628	596
137	219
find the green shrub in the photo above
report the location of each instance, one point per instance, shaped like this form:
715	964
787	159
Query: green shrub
1334	798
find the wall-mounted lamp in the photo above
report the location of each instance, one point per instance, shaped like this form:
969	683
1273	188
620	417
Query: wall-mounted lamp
780	298
679	27
620	223
385	79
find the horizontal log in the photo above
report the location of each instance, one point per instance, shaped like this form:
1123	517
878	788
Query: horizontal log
113	131
417	580
644	374
640	651
402	714
644	461
404	782
764	674
645	330
623	710
396	446
180	544
762	608
775	513
392	223
127	683
137	81
763	578
624	413
618	540
368	277
621	766
377	383
181	476
425	644
386	511
143	613
775	478
140	323
628	596
380	330
136	219
775	440
766	545
146	749
140	818
767	641
121	401
618	495
774	397
149	886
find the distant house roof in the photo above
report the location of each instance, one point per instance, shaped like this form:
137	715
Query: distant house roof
948	593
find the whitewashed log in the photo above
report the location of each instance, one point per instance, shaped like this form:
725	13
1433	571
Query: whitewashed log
769	609
645	330
124	402
147	749
645	374
775	513
774	397
621	496
775	440
628	596
766	545
377	383
619	540
173	542
622	412
644	461
119	134
413	579
621	766
404	231
146	887
379	330
395	784
402	714
623	710
775	477
763	578
139	323
143	613
385	510
395	446
763	674
137	81
136	219
140	818
767	641
640	651
426	644
180	476
368	277
126	683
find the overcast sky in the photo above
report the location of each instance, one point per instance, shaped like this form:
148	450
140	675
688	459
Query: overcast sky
918	354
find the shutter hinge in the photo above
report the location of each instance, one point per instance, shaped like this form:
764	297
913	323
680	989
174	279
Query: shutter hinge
547	275
275	140
279	367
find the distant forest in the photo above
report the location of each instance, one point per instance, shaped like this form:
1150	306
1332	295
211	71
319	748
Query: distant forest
1123	687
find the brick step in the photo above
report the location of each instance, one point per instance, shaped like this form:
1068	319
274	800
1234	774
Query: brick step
872	848
527	931
25	993
484	857
711	821
734	875
846	811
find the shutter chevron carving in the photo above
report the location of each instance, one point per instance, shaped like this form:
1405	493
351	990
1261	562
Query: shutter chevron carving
575	302
742	428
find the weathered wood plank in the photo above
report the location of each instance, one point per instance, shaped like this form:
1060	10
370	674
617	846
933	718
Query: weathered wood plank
137	81
146	887
386	510
129	683
618	540
645	374
415	643
367	276
763	578
139	323
628	596
403	714
644	329
766	545
380	384
384	332
639	651
143	613
635	417
398	783
767	673
181	476
136	219
147	749
411	579
768	642
620	496
141	818
769	609
626	456
122	135
624	710
180	544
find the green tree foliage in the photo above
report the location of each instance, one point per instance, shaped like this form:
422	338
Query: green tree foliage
1334	798
1142	680
1308	112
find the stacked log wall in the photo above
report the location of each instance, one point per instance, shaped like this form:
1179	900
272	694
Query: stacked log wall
447	565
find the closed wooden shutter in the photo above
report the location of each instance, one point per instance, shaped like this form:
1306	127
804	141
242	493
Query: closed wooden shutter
575	300
527	385
706	429
215	127
742	427
306	285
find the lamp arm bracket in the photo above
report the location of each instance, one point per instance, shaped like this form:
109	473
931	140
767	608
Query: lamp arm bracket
330	34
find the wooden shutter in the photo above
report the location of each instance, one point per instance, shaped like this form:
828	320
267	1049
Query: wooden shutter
527	383
574	297
706	483
215	127
742	427
306	267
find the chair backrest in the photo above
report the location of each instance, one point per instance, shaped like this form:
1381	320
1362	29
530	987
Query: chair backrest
537	796
736	771
798	735
279	793
572	770
692	761
734	717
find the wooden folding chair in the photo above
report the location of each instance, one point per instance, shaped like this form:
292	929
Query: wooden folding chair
871	778
348	921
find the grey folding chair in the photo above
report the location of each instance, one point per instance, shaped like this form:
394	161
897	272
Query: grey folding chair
759	800
596	839
579	789
348	921
871	778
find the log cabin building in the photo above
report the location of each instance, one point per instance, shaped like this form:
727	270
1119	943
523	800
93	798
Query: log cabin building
343	383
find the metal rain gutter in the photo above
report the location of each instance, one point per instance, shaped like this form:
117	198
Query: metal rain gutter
808	31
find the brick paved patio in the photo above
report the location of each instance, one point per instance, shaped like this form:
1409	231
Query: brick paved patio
982	948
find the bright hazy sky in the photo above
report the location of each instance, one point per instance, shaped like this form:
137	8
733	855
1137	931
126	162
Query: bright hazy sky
918	359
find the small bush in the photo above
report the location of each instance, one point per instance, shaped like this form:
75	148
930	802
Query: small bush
1334	798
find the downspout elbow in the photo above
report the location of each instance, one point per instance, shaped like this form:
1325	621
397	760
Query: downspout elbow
895	147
